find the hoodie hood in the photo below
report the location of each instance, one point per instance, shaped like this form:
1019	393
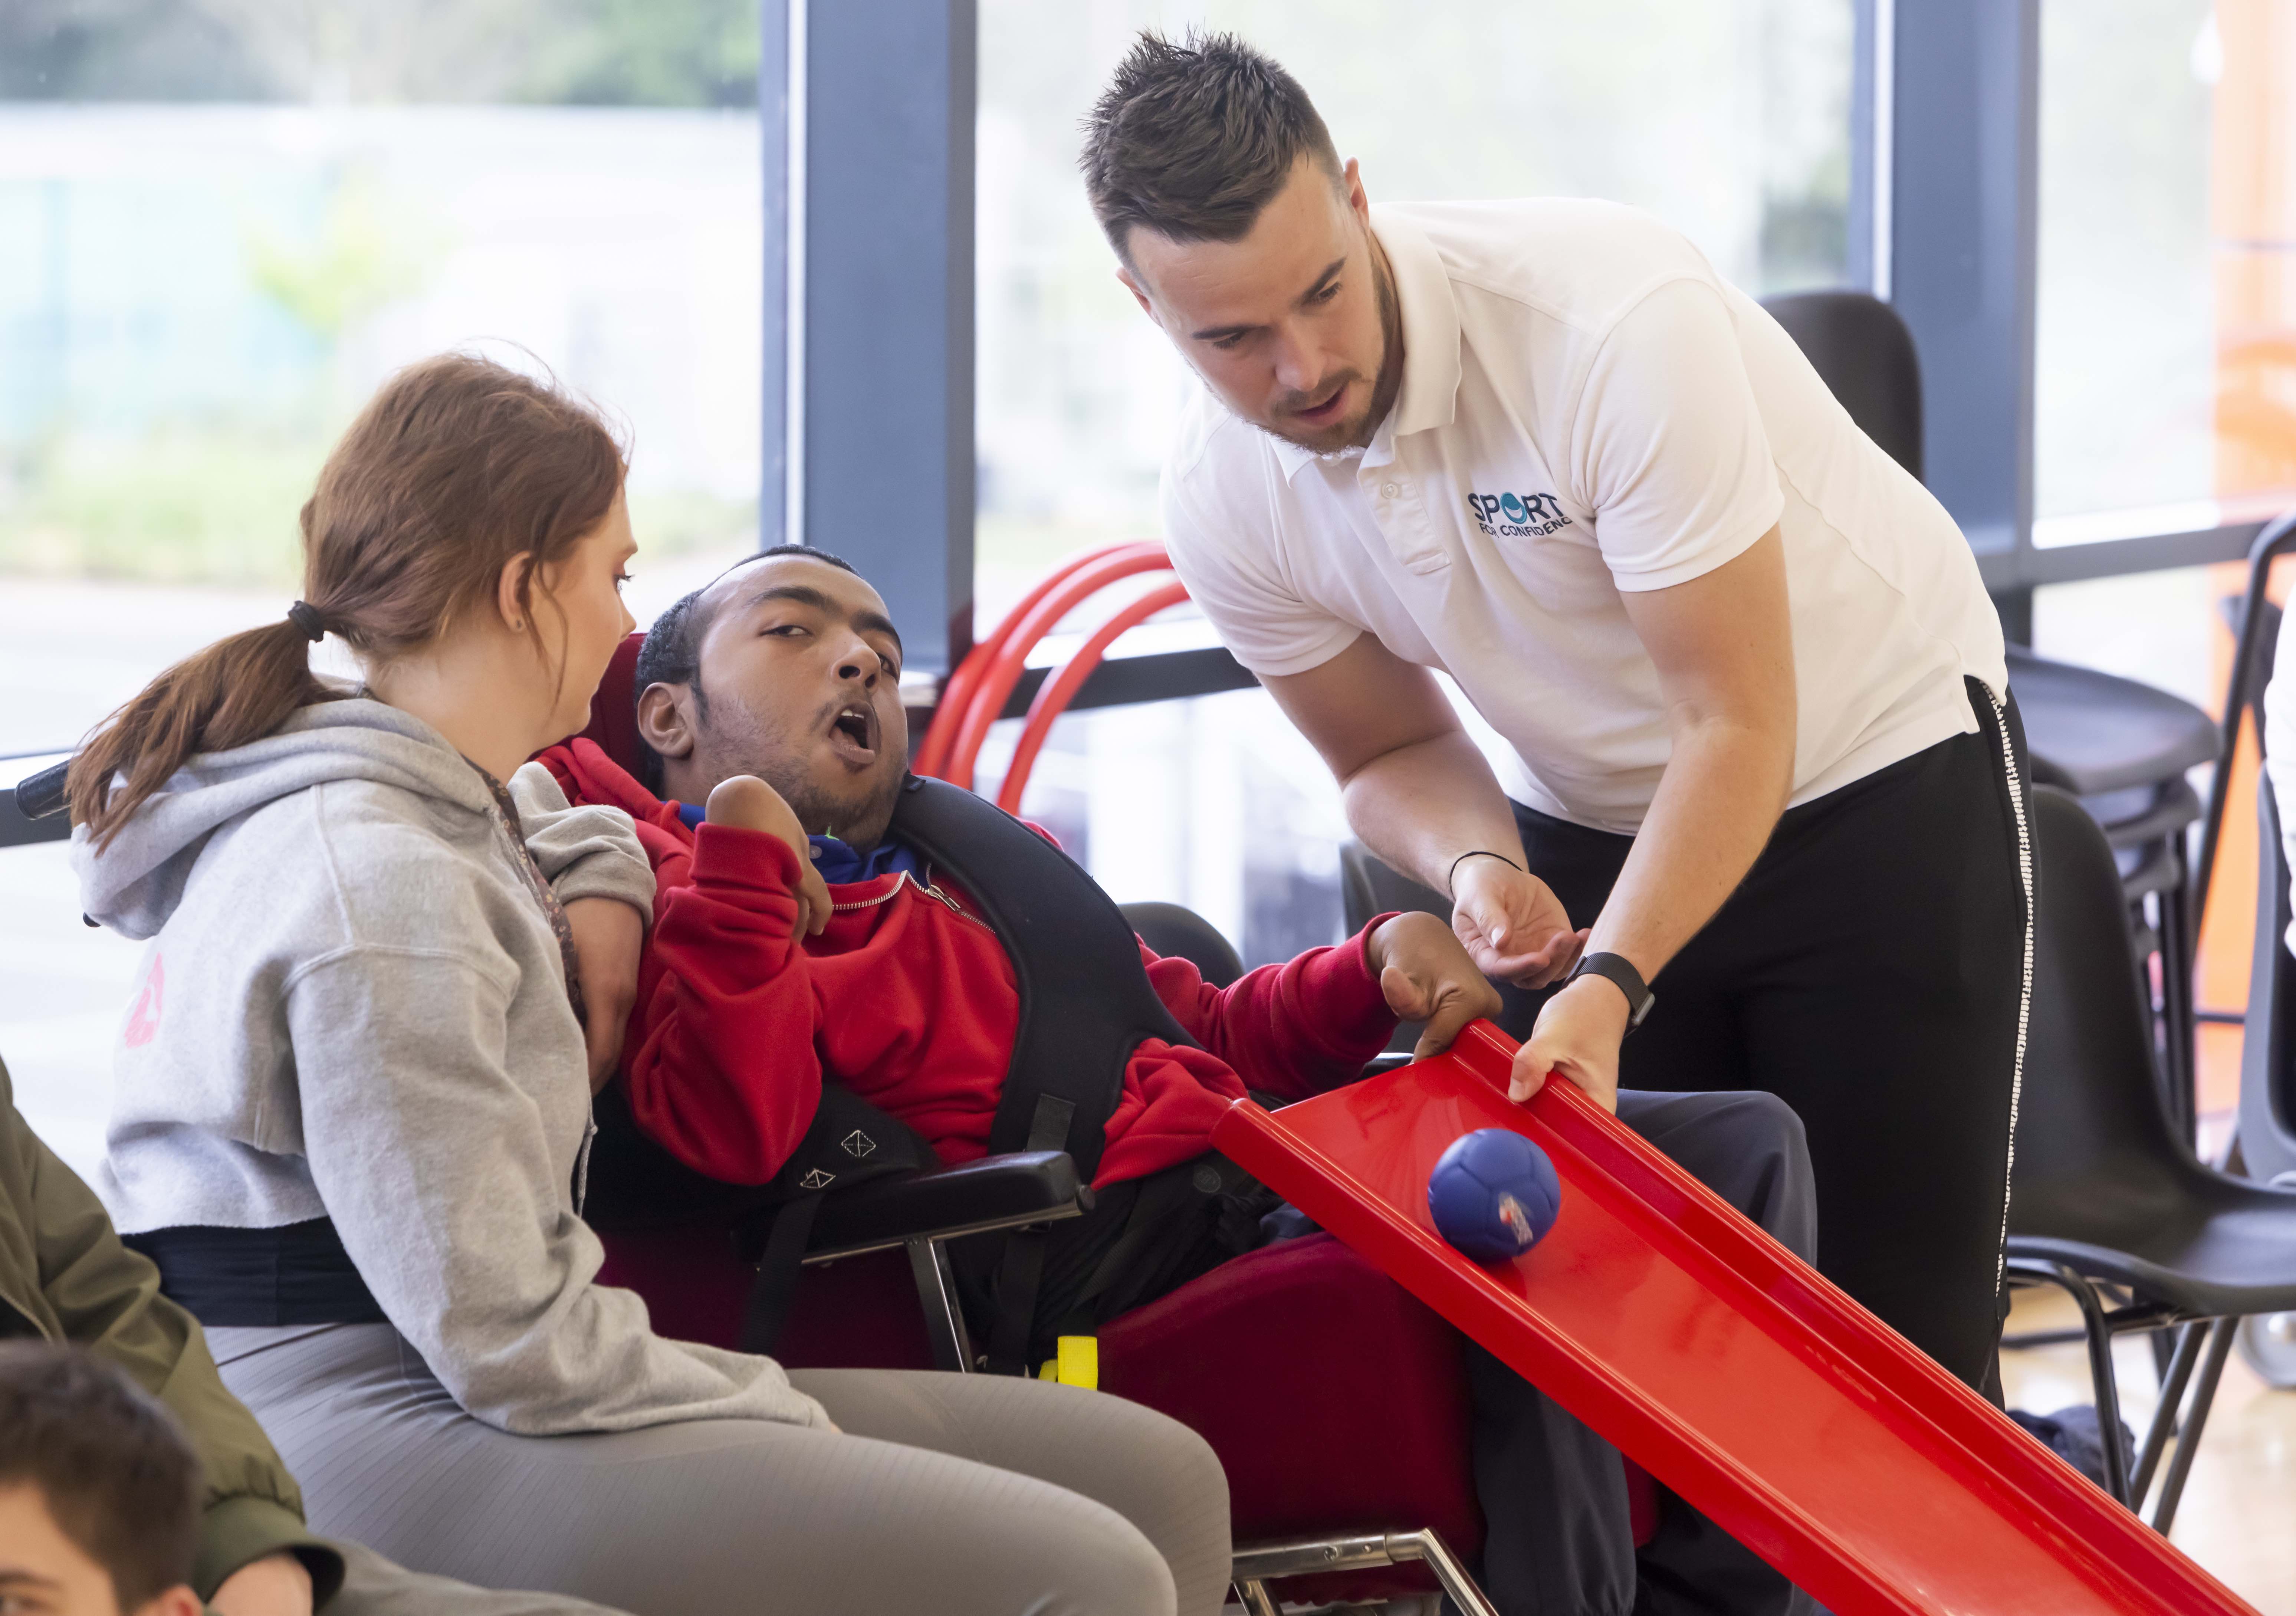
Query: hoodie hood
133	884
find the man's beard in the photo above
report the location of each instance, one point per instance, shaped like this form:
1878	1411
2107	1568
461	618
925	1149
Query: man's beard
1359	433
737	743
861	825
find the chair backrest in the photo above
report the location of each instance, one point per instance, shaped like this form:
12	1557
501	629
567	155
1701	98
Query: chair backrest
2268	1054
1864	354
2092	1135
1179	932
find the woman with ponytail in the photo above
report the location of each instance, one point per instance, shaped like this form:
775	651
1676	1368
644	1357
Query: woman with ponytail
351	1112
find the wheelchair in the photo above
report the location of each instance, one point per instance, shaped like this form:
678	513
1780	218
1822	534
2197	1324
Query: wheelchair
1382	1504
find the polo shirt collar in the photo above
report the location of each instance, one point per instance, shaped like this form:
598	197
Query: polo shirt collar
1429	397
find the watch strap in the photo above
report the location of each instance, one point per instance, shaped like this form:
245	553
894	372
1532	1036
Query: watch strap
1628	981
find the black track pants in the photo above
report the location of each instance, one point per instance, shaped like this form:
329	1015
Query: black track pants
1871	972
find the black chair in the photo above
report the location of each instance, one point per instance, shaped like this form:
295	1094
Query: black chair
2256	636
2267	1066
2266	1149
1180	932
2108	1203
2119	746
2124	750
1862	351
2268	1344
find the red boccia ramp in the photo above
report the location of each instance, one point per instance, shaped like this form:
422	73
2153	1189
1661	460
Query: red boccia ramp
1709	1353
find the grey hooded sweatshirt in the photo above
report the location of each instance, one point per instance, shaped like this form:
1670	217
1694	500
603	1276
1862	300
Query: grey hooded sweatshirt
354	1008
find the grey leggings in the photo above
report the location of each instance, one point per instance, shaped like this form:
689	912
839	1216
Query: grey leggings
945	1493
373	1587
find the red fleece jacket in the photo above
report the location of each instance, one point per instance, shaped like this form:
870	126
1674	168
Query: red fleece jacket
907	999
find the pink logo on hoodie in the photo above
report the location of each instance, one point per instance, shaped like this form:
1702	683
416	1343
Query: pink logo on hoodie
143	1014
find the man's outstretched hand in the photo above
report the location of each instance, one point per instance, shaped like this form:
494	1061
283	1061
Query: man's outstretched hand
1426	975
1513	924
748	803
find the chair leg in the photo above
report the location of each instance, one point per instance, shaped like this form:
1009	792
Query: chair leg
952	1348
2100	1366
2172	1486
2162	1345
2108	1395
2179	1375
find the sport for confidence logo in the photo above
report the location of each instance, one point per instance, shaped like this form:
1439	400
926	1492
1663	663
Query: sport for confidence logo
1517	515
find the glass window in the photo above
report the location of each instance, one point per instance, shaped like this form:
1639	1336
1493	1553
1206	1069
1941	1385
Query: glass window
2165	386
220	227
1216	803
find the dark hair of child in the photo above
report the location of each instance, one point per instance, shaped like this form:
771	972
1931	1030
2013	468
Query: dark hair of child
118	1475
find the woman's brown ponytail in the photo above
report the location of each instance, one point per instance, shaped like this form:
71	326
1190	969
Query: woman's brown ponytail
236	691
456	465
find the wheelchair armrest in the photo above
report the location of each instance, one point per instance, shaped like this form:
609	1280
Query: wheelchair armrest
39	795
1005	1191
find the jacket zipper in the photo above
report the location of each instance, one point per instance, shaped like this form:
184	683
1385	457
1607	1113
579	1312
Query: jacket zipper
925	888
870	903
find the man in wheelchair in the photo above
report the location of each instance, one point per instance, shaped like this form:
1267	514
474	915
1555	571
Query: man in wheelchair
823	918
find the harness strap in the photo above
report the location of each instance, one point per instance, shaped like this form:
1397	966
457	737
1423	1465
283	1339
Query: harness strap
1019	1276
1086	1002
766	1312
1020	1271
1048	1129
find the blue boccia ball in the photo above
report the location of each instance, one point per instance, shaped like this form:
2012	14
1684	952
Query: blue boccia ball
1494	1194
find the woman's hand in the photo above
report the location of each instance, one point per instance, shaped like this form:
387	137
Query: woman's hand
1426	976
749	803
1513	925
608	936
1577	1035
277	1585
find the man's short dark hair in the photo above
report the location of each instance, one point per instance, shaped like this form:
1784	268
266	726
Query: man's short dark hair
671	652
118	1475
1193	140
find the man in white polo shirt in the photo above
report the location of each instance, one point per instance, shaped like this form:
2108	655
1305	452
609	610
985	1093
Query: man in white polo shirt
1765	782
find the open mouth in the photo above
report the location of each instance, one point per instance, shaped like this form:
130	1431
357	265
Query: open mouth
853	734
1321	414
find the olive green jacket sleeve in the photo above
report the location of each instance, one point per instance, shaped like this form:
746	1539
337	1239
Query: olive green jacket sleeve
65	1275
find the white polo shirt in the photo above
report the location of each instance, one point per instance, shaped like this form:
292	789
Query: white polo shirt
1586	410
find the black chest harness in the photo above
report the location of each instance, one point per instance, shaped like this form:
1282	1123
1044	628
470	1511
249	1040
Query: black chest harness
1086	1004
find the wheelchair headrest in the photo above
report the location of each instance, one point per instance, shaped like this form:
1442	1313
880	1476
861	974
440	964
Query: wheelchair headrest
613	709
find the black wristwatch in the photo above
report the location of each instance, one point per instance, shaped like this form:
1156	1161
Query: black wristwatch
1630	980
